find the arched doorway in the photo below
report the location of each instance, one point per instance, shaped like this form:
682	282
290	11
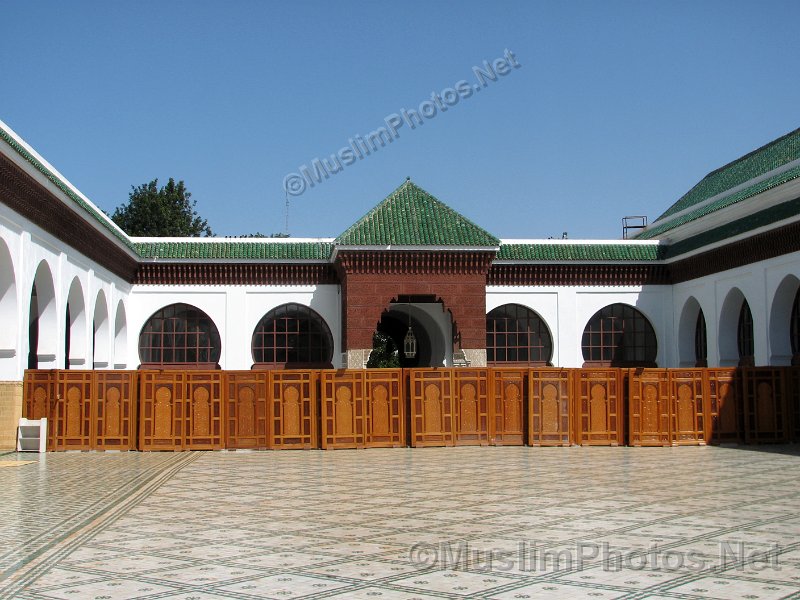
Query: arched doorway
692	335
75	332
43	321
784	323
736	332
431	325
8	304
100	333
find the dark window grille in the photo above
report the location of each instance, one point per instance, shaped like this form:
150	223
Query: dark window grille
292	335
182	335
700	341
516	334
619	335
744	337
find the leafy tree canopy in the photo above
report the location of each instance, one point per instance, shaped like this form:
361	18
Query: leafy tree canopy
161	212
384	353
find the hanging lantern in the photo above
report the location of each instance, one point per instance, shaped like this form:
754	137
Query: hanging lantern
410	344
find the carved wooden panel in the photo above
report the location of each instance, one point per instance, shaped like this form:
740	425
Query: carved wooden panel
432	422
765	405
40	394
689	407
116	415
508	399
385	408
248	409
599	412
294	409
343	400
162	410
72	421
471	403
725	412
203	428
649	417
550	393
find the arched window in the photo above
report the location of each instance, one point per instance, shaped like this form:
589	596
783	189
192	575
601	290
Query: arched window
700	341
180	335
516	334
794	329
619	335
292	335
744	336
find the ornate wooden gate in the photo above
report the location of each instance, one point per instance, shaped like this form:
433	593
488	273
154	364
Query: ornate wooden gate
385	408
471	389
599	413
116	417
294	409
765	405
550	398
508	399
649	407
72	412
725	408
431	407
343	409
688	407
248	417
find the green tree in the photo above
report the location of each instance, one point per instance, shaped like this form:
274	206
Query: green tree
384	353
161	212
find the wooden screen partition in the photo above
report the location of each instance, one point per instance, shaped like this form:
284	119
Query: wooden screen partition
724	416
116	416
765	405
40	396
385	408
689	407
203	429
294	409
599	411
649	407
248	417
508	398
342	396
72	413
162	410
471	391
432	422
549	414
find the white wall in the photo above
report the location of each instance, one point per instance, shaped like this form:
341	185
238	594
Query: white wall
766	285
28	247
235	310
567	310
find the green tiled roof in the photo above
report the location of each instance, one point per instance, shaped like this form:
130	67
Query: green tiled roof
236	250
771	182
559	252
410	216
771	156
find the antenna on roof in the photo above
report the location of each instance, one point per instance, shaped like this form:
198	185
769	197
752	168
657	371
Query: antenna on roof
287	213
633	224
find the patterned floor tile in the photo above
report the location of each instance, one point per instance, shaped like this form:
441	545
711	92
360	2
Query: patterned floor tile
389	524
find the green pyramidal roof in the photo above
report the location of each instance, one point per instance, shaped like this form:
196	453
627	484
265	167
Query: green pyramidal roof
410	216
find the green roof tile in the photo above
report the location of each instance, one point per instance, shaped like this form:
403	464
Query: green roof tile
235	250
570	252
410	216
771	156
658	229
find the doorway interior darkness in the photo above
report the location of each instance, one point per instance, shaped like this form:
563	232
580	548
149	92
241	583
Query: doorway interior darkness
412	310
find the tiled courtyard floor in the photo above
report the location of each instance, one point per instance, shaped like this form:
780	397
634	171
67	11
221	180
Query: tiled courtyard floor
502	523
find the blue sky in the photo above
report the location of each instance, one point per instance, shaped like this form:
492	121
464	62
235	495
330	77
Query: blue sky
618	108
